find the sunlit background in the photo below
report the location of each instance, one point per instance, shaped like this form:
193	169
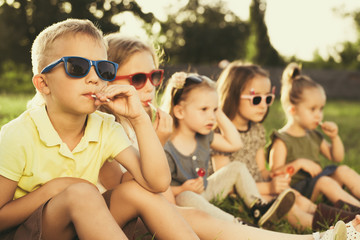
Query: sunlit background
295	27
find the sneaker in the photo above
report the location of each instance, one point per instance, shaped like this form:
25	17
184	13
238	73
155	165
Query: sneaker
242	222
264	213
339	232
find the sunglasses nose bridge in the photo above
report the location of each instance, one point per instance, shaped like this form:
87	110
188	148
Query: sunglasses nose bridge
93	76
148	85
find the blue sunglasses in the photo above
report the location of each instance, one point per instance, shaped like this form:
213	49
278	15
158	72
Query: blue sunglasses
78	67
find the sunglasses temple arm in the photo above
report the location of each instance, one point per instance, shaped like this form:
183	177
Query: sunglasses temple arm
51	66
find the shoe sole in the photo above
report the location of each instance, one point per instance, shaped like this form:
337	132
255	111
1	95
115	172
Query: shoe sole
340	231
279	208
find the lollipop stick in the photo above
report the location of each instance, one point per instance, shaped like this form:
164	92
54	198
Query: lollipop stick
152	106
94	96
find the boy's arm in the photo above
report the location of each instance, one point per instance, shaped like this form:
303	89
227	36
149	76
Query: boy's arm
14	212
149	166
150	169
228	140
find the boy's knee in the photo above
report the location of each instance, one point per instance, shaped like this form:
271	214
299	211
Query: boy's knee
81	191
131	191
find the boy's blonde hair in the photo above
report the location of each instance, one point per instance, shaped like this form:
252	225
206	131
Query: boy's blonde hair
179	87
293	84
43	42
232	82
122	47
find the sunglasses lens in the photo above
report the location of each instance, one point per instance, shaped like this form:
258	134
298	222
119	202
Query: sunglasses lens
77	67
139	80
107	70
269	99
256	100
156	78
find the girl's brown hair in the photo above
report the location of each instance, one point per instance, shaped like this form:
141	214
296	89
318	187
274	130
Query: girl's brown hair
293	84
232	82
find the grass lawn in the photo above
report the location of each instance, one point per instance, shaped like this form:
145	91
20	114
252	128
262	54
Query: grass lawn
345	113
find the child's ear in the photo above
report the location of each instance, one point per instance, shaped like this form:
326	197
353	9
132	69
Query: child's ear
178	111
291	109
40	84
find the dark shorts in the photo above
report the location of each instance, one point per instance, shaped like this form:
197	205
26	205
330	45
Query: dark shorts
306	186
31	229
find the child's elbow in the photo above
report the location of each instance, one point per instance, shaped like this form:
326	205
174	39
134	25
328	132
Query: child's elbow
161	185
236	146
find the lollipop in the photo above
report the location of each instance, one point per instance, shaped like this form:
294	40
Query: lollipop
200	172
289	171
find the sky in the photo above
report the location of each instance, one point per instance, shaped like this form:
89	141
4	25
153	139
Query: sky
295	27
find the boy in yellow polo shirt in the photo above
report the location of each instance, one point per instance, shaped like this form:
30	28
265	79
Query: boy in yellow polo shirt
50	155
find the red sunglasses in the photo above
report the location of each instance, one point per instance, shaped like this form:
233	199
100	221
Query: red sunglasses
138	80
257	99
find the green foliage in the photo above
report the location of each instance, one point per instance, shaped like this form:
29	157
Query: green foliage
204	34
24	19
11	106
15	78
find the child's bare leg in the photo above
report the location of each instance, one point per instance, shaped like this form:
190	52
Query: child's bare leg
304	203
210	228
80	209
298	218
344	175
129	200
333	191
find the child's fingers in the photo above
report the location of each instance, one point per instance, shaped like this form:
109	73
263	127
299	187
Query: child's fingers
117	90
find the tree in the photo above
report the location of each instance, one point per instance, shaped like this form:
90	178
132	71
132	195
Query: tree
259	48
204	34
22	20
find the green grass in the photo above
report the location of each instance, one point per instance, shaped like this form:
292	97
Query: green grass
12	106
345	113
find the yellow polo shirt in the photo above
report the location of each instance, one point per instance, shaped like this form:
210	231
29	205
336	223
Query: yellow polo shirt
32	153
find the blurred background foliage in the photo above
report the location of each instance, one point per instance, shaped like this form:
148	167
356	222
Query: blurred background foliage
196	34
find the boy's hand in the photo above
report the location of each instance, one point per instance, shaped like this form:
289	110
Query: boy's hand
163	126
310	166
124	100
330	129
195	185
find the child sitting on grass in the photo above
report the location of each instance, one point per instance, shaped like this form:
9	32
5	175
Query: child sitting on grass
298	144
51	154
192	101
